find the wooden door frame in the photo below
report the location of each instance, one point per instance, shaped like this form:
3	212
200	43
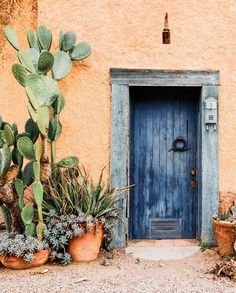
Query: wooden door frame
121	80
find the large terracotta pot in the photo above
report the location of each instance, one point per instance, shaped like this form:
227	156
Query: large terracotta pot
18	263
225	233
86	248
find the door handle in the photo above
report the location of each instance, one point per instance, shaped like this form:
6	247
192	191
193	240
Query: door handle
193	172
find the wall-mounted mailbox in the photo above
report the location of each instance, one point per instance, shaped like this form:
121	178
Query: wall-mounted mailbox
210	112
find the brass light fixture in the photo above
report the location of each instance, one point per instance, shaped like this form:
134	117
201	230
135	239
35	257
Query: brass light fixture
166	31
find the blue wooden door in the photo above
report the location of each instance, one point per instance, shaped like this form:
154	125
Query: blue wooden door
163	203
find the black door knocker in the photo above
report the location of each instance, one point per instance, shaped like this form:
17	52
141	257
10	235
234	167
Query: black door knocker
179	145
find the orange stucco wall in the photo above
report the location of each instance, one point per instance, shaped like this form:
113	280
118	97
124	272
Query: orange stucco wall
127	34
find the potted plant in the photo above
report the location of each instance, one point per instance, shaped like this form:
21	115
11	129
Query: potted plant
225	231
42	129
80	214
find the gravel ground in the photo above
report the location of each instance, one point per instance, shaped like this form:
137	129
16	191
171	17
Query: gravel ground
122	274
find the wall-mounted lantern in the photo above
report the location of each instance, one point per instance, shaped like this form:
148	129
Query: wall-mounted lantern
166	31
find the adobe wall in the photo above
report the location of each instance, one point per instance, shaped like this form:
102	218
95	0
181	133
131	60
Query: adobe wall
127	35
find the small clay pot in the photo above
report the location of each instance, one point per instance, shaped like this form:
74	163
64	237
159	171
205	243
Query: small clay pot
225	233
18	263
86	248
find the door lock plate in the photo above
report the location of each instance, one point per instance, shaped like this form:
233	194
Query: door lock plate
193	183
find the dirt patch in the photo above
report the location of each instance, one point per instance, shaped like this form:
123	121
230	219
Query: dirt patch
123	273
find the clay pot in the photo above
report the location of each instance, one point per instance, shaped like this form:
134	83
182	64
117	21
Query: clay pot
86	248
18	263
225	233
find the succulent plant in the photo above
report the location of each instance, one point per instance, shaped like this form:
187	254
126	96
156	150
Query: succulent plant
21	246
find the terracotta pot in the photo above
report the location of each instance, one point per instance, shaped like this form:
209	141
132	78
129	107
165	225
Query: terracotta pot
17	263
225	234
86	248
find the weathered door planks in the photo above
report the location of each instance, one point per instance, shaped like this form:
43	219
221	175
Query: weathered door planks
162	178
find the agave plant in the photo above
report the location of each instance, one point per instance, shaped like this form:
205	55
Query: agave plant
74	204
72	191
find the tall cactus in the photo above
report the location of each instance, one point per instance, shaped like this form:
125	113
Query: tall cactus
41	90
45	103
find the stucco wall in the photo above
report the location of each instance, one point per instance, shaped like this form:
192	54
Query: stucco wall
127	34
20	14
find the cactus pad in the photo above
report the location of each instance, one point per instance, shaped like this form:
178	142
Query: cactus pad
19	73
62	65
27	214
32	128
43	120
28	175
68	41
41	90
5	161
45	37
26	148
68	162
9	135
6	217
80	51
31	38
30	230
55	129
11	36
45	62
36	170
26	61
59	104
17	157
38	192
34	56
19	186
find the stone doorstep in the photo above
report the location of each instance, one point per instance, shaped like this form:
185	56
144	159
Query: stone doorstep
163	243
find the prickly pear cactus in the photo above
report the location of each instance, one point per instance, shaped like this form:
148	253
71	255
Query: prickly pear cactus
45	103
10	167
